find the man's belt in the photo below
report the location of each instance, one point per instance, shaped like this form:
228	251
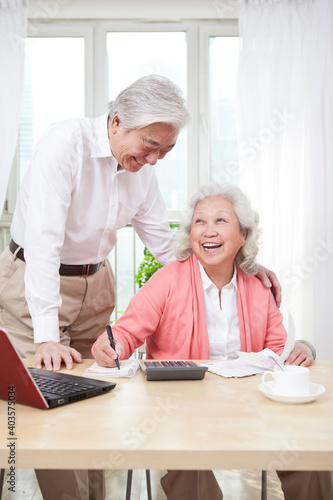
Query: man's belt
64	269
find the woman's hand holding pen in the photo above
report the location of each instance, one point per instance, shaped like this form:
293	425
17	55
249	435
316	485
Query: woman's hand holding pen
105	355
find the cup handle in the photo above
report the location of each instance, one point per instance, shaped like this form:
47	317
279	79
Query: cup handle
263	378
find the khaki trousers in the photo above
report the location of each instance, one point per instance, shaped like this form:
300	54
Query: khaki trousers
202	485
87	304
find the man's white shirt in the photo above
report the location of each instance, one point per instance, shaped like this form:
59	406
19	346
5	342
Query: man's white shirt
71	203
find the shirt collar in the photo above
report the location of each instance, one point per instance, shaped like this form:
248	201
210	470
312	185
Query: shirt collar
207	282
101	145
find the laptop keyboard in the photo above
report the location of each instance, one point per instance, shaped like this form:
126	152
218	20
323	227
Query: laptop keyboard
59	388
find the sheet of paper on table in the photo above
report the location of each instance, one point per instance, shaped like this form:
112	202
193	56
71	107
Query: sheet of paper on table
251	363
128	368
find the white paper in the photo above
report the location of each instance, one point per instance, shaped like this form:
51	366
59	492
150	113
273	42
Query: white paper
234	368
248	363
128	368
290	342
258	359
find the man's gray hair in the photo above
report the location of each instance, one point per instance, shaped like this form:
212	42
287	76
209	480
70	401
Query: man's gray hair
247	217
151	99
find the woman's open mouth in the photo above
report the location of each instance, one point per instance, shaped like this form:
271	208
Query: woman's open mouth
210	247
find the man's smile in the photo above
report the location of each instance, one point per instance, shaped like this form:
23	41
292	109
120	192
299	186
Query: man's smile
138	161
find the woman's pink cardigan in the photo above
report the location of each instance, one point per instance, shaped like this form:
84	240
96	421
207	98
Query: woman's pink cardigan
169	313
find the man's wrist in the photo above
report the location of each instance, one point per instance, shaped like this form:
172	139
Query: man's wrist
46	329
38	344
311	346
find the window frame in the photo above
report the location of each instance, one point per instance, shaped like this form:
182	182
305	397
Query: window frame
225	29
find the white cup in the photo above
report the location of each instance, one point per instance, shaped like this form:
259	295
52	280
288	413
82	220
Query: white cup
292	381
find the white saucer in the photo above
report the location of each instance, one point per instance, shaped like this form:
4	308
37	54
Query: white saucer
315	391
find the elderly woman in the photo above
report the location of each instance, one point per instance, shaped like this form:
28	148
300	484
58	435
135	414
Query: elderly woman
205	305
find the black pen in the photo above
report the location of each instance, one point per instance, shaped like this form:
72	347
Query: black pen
111	339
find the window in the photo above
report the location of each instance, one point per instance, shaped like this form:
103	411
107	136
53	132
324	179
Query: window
75	68
223	59
219	45
53	89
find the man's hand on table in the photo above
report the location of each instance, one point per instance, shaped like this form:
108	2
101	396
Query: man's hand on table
52	354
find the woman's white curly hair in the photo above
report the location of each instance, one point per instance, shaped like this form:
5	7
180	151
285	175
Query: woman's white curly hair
247	217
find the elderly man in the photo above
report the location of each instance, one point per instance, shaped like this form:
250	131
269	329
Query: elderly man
88	178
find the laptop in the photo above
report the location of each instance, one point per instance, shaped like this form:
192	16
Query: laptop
42	388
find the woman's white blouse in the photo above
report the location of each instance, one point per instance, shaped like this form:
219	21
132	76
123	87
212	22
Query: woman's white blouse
222	321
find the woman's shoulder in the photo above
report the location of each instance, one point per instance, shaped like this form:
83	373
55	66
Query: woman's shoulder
251	283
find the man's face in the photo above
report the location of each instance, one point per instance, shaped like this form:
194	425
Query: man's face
133	149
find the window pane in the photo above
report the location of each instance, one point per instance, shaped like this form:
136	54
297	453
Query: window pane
223	62
53	89
133	55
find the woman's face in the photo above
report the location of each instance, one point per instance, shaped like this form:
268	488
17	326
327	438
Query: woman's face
215	233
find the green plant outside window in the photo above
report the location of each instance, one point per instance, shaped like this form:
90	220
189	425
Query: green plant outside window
149	265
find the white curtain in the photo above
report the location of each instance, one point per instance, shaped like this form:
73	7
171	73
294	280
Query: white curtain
285	120
13	22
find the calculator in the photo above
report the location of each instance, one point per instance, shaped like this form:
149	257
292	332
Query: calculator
173	370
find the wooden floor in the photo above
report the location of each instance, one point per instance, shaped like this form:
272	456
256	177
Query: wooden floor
236	485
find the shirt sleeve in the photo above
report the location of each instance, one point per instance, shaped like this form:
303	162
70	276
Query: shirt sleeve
50	187
151	225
